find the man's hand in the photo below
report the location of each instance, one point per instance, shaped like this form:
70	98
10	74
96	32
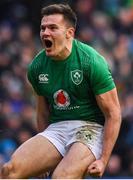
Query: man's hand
44	176
96	169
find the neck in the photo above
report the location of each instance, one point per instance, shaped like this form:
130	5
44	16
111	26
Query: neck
65	52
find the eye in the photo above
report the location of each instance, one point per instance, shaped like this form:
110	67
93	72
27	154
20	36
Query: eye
53	28
42	28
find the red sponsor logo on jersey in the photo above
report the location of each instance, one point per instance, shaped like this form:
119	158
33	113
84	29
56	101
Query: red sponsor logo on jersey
61	98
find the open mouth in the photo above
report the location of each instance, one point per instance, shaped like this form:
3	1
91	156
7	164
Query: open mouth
48	43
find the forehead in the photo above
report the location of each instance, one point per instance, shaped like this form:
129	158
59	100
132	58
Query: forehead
53	19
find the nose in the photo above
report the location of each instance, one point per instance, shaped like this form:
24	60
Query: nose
45	32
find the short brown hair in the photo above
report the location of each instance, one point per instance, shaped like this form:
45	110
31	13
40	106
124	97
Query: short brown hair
63	9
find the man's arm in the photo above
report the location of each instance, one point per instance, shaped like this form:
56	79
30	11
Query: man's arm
109	104
42	113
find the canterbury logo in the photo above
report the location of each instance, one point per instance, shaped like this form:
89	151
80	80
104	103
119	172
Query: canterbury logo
43	78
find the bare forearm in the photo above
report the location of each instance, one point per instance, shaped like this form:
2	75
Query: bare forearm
111	131
109	104
42	113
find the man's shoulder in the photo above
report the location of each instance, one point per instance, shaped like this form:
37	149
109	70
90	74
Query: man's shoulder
37	60
85	49
39	56
87	54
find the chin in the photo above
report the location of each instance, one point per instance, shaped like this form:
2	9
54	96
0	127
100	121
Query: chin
48	53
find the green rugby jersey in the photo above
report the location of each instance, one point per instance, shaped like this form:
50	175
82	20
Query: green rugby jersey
70	85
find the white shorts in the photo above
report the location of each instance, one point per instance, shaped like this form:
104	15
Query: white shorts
63	134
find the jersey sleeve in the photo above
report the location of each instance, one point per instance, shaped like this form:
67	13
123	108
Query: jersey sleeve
32	78
100	76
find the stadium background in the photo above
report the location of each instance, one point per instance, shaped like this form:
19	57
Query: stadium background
107	25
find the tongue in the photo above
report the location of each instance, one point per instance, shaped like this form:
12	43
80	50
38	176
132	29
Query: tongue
48	43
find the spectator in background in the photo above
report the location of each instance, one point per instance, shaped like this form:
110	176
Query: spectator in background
114	167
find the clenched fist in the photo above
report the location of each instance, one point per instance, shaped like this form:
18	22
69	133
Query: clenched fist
97	168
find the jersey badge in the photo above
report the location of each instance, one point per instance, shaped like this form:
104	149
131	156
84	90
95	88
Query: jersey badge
77	76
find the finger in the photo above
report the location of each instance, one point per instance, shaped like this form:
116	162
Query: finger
94	171
96	175
92	166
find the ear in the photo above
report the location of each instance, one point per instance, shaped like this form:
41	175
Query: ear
70	32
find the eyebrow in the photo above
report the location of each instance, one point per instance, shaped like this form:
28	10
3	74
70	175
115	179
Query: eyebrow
49	25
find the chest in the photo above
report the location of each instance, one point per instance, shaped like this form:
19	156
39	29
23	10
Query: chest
69	77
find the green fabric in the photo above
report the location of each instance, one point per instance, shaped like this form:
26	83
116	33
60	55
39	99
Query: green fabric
71	85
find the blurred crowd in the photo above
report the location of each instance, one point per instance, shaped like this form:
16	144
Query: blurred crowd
106	25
